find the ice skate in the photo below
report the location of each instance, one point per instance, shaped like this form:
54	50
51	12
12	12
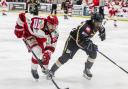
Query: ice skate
35	74
87	74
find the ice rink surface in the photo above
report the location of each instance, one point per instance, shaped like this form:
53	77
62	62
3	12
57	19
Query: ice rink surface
15	61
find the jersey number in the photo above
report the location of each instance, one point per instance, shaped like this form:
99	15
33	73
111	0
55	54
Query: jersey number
37	23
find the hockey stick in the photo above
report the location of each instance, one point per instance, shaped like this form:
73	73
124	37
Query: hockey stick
112	61
40	63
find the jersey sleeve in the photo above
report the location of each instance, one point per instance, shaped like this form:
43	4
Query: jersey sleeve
52	41
19	28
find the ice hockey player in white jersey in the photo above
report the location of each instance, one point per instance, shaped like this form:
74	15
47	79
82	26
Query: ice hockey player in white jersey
4	7
41	35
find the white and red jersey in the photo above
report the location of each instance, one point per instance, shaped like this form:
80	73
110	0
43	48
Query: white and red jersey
4	3
28	26
114	8
116	5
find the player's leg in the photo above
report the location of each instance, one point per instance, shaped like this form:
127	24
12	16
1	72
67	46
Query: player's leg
65	13
69	51
115	23
37	50
46	63
89	63
52	9
34	66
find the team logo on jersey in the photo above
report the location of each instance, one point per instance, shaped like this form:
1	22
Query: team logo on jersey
88	30
84	33
37	23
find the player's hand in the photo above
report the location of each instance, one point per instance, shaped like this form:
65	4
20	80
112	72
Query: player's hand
47	55
102	35
54	39
91	47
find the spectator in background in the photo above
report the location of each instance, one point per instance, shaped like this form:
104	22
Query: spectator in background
127	3
64	6
70	6
67	7
4	7
79	2
112	14
54	7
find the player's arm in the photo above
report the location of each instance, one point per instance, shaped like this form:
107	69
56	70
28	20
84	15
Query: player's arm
54	38
19	28
50	45
102	33
52	41
82	37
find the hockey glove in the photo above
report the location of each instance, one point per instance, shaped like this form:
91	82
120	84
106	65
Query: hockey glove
54	37
91	47
19	33
46	56
102	34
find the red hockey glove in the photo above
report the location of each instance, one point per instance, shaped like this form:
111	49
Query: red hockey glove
47	55
19	34
54	39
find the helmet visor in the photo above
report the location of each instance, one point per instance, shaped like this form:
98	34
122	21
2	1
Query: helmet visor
52	27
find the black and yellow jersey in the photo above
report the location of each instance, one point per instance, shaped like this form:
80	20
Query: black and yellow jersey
84	32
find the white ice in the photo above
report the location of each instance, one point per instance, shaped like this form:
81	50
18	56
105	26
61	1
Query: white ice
15	61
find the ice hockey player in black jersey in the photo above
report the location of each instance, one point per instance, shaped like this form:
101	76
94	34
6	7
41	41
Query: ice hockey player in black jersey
80	38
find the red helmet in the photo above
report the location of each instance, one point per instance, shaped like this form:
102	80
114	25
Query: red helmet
53	20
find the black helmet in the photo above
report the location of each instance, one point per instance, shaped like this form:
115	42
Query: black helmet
97	17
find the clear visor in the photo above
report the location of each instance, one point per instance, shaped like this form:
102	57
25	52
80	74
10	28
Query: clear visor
52	27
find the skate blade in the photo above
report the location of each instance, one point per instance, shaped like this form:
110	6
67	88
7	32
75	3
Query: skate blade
85	76
36	80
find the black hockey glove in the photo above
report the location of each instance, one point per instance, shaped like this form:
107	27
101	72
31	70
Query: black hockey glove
102	34
91	47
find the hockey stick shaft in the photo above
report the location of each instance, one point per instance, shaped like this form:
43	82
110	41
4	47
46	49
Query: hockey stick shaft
113	62
40	63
